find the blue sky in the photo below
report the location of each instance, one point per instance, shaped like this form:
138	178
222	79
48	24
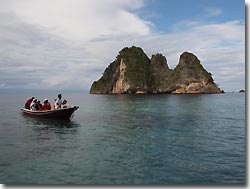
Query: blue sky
65	45
166	13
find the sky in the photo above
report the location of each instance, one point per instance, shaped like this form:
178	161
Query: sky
65	45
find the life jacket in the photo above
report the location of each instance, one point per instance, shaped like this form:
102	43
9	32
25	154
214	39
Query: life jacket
46	107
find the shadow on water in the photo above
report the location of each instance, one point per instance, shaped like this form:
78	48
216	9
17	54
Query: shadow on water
41	122
45	129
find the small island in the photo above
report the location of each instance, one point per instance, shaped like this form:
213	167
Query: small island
134	73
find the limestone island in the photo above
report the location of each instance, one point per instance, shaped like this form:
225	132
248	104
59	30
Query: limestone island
134	73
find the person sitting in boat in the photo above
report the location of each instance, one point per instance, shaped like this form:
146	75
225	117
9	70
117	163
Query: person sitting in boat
28	102
64	104
38	105
33	104
58	103
46	105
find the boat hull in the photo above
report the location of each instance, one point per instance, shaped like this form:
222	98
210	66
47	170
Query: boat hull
63	113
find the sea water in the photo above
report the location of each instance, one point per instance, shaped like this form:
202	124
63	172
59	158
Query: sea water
126	139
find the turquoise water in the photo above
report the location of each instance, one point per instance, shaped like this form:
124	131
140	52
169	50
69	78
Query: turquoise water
126	139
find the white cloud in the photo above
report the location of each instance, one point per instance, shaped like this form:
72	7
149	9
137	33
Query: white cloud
64	44
80	19
212	11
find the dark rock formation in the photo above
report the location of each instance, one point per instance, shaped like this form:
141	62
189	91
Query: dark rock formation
160	75
134	72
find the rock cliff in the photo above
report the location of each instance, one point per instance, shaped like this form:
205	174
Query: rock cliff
134	72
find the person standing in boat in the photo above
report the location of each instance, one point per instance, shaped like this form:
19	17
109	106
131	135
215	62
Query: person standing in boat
28	102
46	105
58	103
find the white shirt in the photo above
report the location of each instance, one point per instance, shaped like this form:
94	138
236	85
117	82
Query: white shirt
32	106
58	103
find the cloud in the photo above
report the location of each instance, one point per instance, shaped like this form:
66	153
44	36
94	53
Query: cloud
213	11
81	19
66	45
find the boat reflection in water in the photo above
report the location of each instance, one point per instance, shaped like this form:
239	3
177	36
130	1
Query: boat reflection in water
51	136
49	124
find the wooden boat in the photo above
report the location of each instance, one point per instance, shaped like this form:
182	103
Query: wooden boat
62	113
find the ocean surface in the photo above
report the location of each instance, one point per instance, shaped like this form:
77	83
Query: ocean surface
126	139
